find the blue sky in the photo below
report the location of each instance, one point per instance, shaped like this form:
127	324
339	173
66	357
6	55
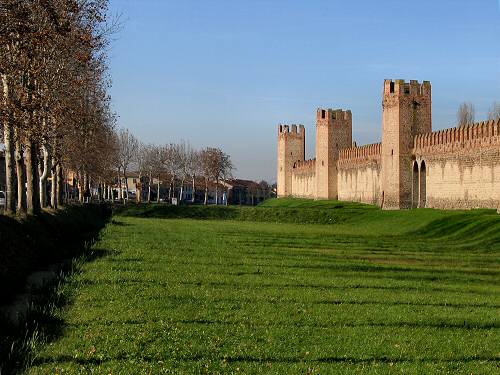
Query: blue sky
224	73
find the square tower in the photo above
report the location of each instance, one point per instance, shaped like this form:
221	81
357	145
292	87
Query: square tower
333	133
407	112
291	148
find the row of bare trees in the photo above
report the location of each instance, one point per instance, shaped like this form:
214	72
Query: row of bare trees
54	108
466	113
169	164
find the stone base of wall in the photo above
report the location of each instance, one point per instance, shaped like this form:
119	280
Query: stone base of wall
461	204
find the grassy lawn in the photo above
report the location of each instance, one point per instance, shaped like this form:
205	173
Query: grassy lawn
376	292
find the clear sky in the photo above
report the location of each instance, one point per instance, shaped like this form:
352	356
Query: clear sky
224	73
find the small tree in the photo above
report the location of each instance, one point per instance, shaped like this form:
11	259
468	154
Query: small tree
217	165
143	168
184	153
194	169
170	160
127	151
152	166
465	114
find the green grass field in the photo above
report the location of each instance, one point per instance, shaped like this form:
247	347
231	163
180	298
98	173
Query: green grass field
254	290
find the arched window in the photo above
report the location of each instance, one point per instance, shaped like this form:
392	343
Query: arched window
415	186
423	187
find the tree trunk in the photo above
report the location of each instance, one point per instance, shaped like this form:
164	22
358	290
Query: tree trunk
193	197
8	138
53	185
149	186
181	191
119	182
206	193
80	192
85	187
53	188
21	194
31	162
61	186
170	187
125	196
158	191
44	173
216	192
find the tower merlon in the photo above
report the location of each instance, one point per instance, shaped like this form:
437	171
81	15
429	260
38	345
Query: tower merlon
333	114
401	87
296	129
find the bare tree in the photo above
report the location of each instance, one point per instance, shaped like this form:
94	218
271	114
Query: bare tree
194	169
53	100
143	167
127	151
206	171
494	112
465	114
185	160
155	169
217	165
170	160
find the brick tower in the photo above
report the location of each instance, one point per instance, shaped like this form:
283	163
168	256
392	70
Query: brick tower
333	133
406	113
291	148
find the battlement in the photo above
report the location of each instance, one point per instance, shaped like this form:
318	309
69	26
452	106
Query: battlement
478	134
286	130
333	114
304	165
401	87
361	152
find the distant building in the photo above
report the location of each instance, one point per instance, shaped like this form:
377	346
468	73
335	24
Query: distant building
246	192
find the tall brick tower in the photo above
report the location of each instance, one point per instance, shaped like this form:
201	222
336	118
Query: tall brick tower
333	133
291	148
406	113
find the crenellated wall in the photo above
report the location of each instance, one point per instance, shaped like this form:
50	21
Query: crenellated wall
304	179
359	171
413	166
462	166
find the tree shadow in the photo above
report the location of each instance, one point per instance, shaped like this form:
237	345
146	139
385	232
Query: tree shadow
120	223
41	323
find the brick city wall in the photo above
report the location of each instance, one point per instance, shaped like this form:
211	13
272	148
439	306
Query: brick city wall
304	179
359	171
462	166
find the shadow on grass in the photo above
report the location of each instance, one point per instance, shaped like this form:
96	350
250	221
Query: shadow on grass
119	223
42	323
93	361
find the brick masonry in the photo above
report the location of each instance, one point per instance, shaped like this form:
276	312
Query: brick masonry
411	167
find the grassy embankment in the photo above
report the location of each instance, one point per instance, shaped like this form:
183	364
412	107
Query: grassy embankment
46	242
374	292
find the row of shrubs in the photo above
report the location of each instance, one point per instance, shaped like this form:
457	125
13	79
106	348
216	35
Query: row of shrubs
30	244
